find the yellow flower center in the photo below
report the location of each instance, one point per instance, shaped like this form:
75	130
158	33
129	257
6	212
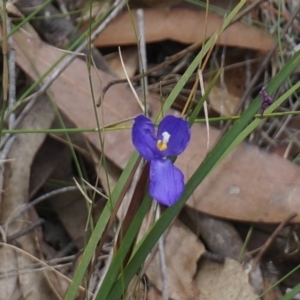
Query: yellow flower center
163	144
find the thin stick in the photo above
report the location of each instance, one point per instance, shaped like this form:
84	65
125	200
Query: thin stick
18	272
12	76
24	231
129	82
163	265
33	258
3	156
5	79
167	62
142	48
205	107
38	200
11	98
270	240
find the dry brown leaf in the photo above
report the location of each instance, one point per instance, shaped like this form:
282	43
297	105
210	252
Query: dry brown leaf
29	285
72	94
169	25
227	242
153	294
130	58
9	284
222	100
249	185
226	281
68	206
182	251
136	289
45	162
225	96
16	194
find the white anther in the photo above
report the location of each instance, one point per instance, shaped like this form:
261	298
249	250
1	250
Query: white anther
166	136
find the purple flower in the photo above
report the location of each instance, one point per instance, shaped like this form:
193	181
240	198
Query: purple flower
172	137
267	101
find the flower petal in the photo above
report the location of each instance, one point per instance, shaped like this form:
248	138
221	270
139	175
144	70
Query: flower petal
166	181
143	139
179	132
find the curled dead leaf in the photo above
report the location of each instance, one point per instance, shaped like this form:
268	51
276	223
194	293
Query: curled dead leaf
169	25
181	264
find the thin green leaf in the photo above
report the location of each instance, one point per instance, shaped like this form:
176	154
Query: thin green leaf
117	262
290	295
99	228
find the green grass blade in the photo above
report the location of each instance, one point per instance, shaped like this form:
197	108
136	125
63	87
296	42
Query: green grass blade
116	264
98	230
290	295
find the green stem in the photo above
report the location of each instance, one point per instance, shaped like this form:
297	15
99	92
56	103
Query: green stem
81	130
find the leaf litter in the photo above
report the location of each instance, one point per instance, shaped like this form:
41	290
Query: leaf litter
237	197
87	125
16	185
236	190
